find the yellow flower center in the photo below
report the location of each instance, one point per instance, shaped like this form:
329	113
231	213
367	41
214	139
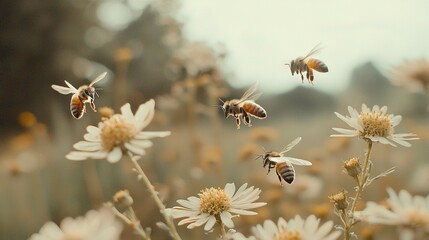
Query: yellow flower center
416	218
116	131
288	234
376	124
214	201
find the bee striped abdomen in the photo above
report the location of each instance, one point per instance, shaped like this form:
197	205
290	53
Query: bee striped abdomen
77	107
286	171
317	65
254	109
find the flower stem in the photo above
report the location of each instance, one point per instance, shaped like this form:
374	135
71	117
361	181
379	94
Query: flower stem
361	185
155	197
134	224
222	227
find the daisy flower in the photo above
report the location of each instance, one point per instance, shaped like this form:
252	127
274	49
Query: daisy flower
217	205
413	74
95	225
295	229
402	210
374	125
118	134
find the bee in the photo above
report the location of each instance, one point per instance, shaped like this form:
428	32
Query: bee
84	94
307	64
244	107
283	165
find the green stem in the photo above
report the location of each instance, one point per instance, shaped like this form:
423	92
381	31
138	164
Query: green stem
155	197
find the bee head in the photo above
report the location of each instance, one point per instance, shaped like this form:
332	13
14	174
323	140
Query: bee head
291	66
225	107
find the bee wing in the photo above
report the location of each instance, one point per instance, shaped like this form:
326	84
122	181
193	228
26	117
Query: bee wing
291	145
249	92
64	90
313	51
100	77
298	161
278	159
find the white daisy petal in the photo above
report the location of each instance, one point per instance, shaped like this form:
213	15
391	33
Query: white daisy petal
230	189
347	131
87	146
115	155
92	137
149	135
226	219
77	156
135	149
93	130
126	112
142	143
145	114
210	223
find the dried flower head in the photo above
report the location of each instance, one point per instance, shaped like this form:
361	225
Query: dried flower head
414	74
120	133
95	225
123	198
352	167
374	125
106	112
217	205
340	200
295	229
404	210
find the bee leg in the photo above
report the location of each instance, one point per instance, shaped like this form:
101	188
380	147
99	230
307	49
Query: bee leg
310	73
237	122
93	105
302	77
280	178
246	118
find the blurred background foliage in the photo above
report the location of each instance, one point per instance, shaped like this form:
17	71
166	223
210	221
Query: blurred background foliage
43	42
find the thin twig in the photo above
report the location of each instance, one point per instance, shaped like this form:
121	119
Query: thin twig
155	197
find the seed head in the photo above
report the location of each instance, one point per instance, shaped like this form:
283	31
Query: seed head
339	200
352	167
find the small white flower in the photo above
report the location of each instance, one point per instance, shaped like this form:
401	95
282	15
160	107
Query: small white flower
214	205
117	134
95	225
414	74
403	210
374	125
295	229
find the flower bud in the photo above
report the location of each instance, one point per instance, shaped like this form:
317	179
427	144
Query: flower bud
339	200
352	167
123	198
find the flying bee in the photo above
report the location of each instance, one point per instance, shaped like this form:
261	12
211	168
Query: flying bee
283	165
84	94
244	108
307	64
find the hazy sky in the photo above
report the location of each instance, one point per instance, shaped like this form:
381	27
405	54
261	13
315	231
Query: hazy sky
260	36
